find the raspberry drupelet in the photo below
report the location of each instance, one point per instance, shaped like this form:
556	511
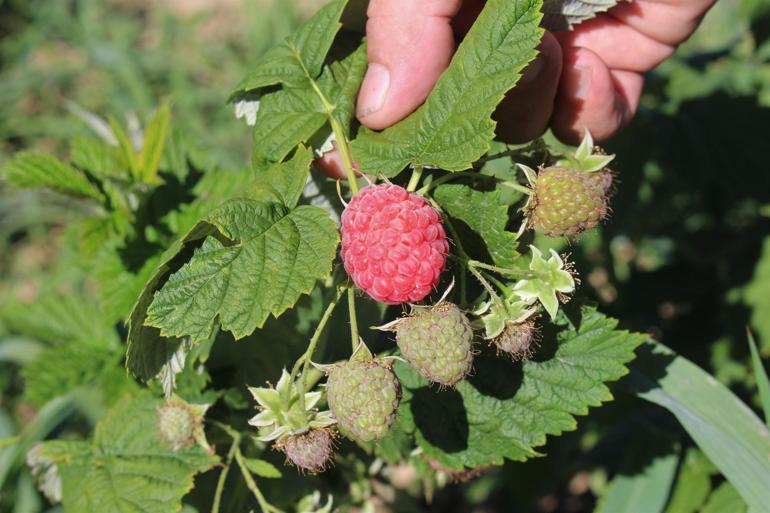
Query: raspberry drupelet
393	244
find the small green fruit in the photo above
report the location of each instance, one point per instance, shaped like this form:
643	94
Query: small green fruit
437	342
568	201
176	424
363	396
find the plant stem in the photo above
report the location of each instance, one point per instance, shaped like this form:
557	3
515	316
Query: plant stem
344	147
314	341
492	293
499	270
517	187
415	178
307	356
266	506
225	471
353	318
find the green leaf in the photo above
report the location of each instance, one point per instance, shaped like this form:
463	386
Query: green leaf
260	261
485	214
505	409
763	384
726	499
693	483
262	468
286	118
561	15
454	127
127	151
340	83
96	157
725	429
30	169
58	370
59	317
757	296
126	466
643	489
284	182
301	55
155	135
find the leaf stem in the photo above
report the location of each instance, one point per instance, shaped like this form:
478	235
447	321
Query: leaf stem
252	485
414	180
492	292
344	147
499	270
225	471
308	356
353	318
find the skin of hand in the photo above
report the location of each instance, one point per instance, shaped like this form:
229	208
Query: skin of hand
590	77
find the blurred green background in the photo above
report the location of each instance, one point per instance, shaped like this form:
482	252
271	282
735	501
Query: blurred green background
685	257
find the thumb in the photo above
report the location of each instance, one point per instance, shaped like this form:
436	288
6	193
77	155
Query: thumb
409	44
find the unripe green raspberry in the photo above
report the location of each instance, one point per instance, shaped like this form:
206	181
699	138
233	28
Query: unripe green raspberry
363	395
568	201
517	340
311	451
438	343
176	424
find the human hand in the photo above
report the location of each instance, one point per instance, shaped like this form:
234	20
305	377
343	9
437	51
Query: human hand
589	78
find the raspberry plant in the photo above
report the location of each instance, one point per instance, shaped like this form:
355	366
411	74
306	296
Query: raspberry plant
231	286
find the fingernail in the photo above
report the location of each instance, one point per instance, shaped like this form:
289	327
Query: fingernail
374	89
585	75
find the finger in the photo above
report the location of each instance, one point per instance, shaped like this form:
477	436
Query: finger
594	97
331	164
409	44
666	21
524	113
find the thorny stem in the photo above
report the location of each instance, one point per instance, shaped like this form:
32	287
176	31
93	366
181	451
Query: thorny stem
266	506
353	318
307	356
415	178
492	293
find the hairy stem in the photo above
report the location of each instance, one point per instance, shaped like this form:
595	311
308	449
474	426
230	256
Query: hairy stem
252	485
488	286
314	341
414	180
353	318
519	273
347	157
223	475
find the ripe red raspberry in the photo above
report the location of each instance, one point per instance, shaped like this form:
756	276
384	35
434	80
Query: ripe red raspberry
393	244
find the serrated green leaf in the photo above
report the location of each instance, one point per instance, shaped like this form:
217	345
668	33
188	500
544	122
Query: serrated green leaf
286	118
262	468
454	127
340	83
301	55
561	15
127	152
262	260
284	182
484	213
57	317
725	429
30	169
97	157
126	466
155	134
60	369
505	409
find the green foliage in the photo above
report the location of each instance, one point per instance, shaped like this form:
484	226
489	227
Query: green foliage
30	169
454	128
506	410
727	431
126	464
693	483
